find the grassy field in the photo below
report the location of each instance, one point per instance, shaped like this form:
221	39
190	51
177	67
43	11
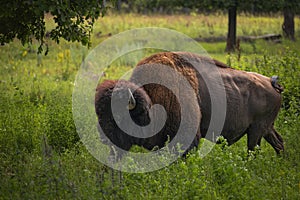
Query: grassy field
41	156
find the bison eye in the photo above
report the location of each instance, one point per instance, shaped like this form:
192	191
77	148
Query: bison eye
131	101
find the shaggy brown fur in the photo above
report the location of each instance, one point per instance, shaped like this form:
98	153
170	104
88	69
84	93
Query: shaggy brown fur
104	112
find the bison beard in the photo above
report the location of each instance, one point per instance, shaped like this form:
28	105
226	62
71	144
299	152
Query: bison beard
253	102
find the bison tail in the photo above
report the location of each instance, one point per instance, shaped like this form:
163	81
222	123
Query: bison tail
274	82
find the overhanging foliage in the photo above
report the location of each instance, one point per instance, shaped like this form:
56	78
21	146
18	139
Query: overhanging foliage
25	20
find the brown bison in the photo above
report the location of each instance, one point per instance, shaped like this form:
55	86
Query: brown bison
252	102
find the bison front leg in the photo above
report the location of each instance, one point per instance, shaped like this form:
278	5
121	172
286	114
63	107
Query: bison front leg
194	144
275	140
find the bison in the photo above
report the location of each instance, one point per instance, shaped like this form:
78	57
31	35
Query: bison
252	102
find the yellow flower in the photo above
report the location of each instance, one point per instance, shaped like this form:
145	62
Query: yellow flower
60	56
24	53
67	53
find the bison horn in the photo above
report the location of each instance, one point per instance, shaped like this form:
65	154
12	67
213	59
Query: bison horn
131	101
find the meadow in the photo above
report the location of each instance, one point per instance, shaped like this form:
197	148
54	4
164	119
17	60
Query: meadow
42	157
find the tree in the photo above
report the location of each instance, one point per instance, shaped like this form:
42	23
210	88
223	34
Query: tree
25	20
231	34
288	7
288	26
231	6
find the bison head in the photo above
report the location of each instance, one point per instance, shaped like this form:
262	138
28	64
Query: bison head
138	105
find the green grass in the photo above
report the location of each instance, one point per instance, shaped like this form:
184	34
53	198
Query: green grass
41	156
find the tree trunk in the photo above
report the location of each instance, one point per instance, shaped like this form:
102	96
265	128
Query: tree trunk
231	35
119	5
288	26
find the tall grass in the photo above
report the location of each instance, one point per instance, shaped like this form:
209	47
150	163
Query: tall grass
194	25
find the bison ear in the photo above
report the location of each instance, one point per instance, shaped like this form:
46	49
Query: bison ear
131	101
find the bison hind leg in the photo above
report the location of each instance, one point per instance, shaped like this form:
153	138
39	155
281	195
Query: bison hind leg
254	135
275	140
